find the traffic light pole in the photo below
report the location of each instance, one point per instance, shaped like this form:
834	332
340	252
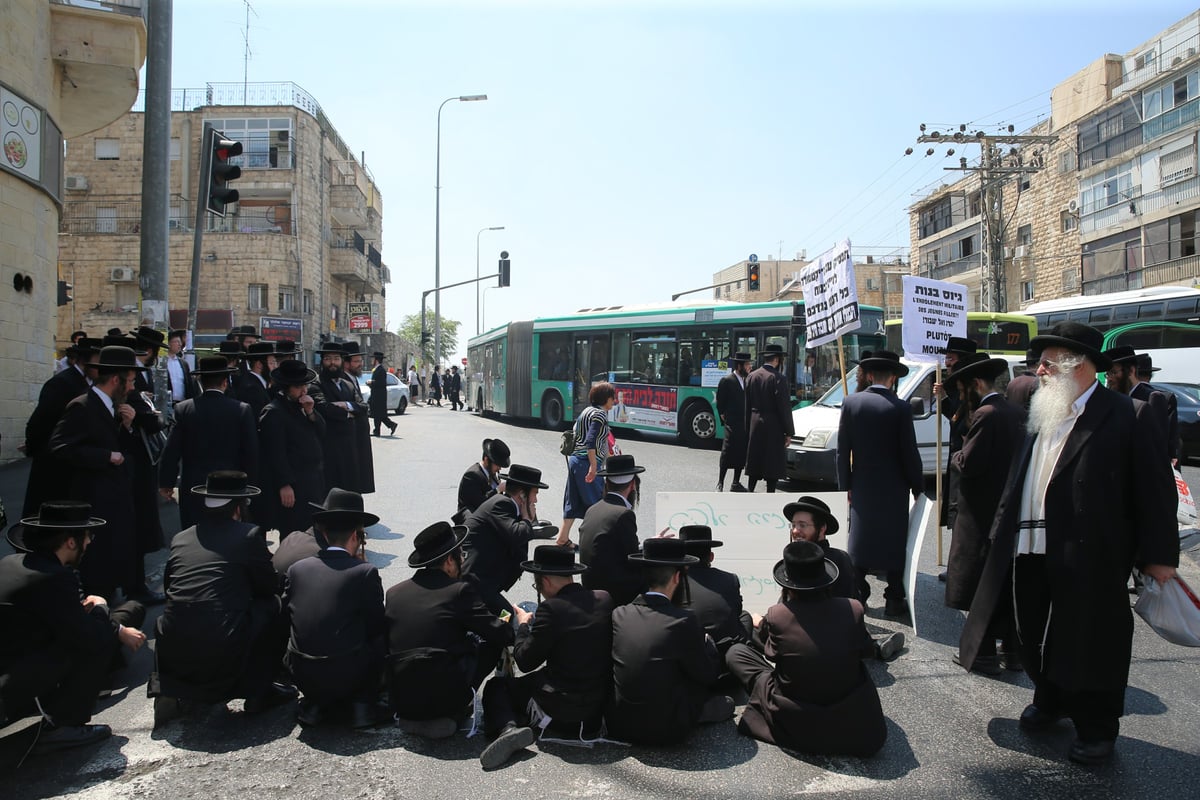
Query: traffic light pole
678	295
198	232
428	292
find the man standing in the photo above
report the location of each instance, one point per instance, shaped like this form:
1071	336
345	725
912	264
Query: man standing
69	357
179	375
1124	377
878	465
255	390
148	427
414	384
1089	496
290	438
482	479
212	432
233	353
334	403
454	388
608	533
731	408
956	352
768	420
378	403
1020	389
364	468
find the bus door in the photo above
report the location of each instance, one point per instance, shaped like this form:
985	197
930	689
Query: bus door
591	365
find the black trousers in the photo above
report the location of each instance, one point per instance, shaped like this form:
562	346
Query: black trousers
64	683
893	591
350	677
1096	714
746	664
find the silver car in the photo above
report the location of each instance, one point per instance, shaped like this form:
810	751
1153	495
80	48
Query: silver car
397	392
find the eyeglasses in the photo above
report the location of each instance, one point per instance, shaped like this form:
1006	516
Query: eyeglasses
803	525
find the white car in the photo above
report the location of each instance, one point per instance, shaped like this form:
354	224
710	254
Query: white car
397	392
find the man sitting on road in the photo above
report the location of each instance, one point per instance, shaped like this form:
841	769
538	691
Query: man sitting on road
608	533
716	595
482	479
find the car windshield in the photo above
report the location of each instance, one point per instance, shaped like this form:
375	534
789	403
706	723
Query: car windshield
833	398
1189	390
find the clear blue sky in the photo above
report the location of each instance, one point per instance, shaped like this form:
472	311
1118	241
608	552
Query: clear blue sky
632	149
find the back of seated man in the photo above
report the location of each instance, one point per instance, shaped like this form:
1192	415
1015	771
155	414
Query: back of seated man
715	595
442	640
56	650
223	632
299	545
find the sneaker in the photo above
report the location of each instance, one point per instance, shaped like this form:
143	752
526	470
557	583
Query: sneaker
717	708
889	647
53	738
504	746
439	728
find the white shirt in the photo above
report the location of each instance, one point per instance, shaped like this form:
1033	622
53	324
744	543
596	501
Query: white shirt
620	497
175	372
108	403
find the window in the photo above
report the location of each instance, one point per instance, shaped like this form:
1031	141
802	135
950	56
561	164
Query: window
1069	221
266	141
1026	291
175	148
975	205
287	298
106	220
308	301
698	346
966	246
1150	311
1025	235
1066	162
1178	165
1144	60
1107	188
1101	138
1023	182
256	297
653	357
1111	256
554	357
108	149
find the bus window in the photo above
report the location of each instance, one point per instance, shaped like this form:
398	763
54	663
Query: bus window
620	353
1150	311
744	342
1126	313
1079	316
1056	318
554	357
1180	310
1181	337
705	344
1100	316
653	357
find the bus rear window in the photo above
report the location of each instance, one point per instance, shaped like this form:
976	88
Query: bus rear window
1150	311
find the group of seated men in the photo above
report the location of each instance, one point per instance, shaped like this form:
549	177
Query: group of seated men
313	620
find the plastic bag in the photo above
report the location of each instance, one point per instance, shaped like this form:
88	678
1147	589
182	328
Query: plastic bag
1172	610
1186	514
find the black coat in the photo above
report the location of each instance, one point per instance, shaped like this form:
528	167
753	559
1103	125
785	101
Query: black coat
474	488
83	442
982	463
571	634
1110	504
365	467
1168	410
253	393
290	454
297	545
876	427
378	401
496	544
607	537
731	408
339	632
1020	391
768	420
212	432
340	445
44	477
717	604
146	423
663	669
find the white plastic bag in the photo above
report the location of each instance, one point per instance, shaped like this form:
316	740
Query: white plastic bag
1172	610
1186	514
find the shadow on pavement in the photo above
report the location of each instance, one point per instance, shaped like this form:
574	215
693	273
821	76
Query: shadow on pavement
1139	701
47	772
895	760
710	747
217	729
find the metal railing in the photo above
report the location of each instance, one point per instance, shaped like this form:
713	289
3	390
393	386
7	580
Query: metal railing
130	8
252	220
119	215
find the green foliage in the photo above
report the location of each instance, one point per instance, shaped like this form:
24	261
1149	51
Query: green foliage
410	330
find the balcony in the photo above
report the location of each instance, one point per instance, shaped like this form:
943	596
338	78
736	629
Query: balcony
118	214
99	46
351	266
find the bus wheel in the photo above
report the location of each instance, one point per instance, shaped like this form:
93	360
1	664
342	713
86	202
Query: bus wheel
552	411
699	425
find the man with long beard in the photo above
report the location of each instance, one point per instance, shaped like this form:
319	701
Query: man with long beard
1089	496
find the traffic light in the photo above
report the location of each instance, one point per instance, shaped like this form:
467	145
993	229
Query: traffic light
752	277
505	268
64	293
220	171
426	337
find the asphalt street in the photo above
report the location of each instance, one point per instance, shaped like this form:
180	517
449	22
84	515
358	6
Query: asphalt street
950	734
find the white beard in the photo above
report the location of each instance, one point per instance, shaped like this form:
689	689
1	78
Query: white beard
1050	405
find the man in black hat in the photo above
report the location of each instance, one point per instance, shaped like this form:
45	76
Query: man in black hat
56	649
352	365
818	697
334	402
878	465
339	634
1124	377
233	353
993	435
958	351
1020	389
608	533
223	632
69	355
482	479
1089	496
255	385
442	640
715	595
298	545
92	443
212	432
148	424
731	408
179	374
291	453
571	635
453	387
499	533
664	665
768	421
378	402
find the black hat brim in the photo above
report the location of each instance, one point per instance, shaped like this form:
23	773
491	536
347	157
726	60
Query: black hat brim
779	572
683	561
363	518
618	473
831	523
897	368
223	371
16	533
249	491
538	569
460	535
309	376
989	369
519	482
1040	343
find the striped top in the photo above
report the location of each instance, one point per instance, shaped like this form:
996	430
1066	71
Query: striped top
591	433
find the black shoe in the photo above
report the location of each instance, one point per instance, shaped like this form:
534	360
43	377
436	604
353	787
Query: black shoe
505	746
439	728
53	738
1010	659
984	665
376	433
896	607
720	487
309	714
365	714
1097	752
737	486
889	647
717	708
274	695
148	597
1035	719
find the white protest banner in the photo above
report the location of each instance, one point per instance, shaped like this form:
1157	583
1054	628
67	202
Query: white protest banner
830	296
918	520
933	312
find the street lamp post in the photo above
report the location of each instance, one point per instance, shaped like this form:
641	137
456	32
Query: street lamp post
478	319
437	231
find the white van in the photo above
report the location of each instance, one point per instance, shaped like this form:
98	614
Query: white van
812	455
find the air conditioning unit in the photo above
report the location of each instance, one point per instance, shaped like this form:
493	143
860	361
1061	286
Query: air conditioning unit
76	183
1008	252
121	274
1020	251
1073	206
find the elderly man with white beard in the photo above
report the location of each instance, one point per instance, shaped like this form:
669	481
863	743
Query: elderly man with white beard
1089	496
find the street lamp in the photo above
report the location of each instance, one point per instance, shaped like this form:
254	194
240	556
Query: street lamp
478	322
437	231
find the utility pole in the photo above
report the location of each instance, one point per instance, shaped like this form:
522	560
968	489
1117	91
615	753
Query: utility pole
995	170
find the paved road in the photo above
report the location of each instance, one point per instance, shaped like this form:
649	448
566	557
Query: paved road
950	734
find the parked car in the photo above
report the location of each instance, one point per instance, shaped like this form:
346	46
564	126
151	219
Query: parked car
1187	397
397	392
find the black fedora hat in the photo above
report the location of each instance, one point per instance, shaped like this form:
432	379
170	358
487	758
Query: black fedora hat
979	367
378	356
884	361
287	347
521	475
1145	364
804	567
1076	337
817	508
620	466
342	506
740	358
115	358
1121	354
260	350
435	543
663	553
84	347
550	559
351	349
242	331
213	365
53	517
1032	357
122	340
329	349
697	539
231	349
959	346
498	452
150	337
771	351
293	373
228	484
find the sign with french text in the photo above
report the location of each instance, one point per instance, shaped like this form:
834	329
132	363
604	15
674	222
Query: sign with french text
830	296
933	312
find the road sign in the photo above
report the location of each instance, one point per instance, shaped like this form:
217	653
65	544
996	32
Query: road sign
753	259
464	362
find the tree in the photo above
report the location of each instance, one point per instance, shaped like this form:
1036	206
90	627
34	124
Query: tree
410	329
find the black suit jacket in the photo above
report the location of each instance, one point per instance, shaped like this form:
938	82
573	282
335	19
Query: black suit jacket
295	546
378	401
212	432
717	604
607	537
1168	410
336	604
364	470
253	393
290	454
731	407
496	544
663	668
473	489
1020	392
191	389
340	446
768	419
52	401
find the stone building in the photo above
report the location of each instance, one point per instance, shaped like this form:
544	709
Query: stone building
65	70
296	255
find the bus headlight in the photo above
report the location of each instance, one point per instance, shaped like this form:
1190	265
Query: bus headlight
818	439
